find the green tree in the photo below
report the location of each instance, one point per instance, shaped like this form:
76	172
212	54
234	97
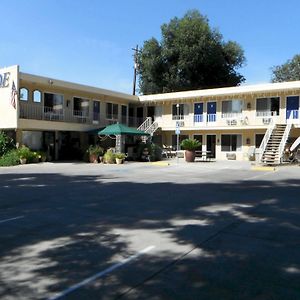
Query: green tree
189	56
6	143
288	71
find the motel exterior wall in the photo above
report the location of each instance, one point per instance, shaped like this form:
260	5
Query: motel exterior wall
248	124
29	120
33	117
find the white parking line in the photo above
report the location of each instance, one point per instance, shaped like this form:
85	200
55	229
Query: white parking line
11	219
102	273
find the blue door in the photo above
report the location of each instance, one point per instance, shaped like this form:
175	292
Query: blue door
292	107
211	111
198	112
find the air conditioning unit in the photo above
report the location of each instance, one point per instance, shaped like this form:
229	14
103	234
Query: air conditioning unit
179	123
266	121
232	122
95	122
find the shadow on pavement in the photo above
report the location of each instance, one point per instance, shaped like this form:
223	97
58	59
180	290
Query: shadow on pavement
213	241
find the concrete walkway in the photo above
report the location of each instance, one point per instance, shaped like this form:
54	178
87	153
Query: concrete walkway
215	230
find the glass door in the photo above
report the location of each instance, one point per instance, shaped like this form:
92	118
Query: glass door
211	145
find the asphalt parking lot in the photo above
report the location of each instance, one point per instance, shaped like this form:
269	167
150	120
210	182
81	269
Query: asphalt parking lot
218	230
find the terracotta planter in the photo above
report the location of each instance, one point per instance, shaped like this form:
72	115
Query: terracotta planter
93	158
190	156
23	161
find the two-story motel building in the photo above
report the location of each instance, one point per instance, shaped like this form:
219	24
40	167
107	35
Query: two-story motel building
61	116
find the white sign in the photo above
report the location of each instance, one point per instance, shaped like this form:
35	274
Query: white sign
177	131
4	80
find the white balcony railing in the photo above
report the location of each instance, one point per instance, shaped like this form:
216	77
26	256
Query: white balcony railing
178	117
292	114
265	113
198	118
231	115
211	117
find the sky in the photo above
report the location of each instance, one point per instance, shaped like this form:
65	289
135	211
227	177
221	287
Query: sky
90	42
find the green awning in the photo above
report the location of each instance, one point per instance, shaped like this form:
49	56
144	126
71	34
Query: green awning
120	129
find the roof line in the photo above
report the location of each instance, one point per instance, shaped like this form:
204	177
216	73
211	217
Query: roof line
71	85
267	87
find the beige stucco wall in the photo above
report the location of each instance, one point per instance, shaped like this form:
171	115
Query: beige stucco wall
8	114
68	106
247	135
248	114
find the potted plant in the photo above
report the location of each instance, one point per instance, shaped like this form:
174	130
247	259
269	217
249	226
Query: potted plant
94	152
42	156
190	145
120	158
24	154
109	157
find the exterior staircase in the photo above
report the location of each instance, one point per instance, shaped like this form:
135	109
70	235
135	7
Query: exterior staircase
274	143
148	126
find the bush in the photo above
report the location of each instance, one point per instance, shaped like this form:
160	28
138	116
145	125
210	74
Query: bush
109	157
6	143
25	152
42	155
155	153
10	158
120	155
142	148
95	150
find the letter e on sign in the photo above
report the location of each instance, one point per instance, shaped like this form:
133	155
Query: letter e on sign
6	79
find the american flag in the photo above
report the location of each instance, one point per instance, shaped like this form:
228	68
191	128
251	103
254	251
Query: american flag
13	97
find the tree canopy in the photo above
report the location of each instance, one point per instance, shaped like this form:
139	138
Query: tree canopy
288	71
190	55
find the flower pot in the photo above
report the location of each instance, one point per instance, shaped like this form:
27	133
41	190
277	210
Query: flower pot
190	156
23	161
119	161
93	158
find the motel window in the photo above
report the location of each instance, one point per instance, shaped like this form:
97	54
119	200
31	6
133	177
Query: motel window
267	106
258	140
174	140
198	137
177	111
111	111
96	110
124	113
53	102
231	142
23	94
81	107
230	107
37	96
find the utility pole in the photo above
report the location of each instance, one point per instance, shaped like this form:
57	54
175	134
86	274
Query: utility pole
135	56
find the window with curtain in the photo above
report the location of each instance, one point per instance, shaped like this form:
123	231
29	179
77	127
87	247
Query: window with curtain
231	142
230	107
80	107
267	106
111	111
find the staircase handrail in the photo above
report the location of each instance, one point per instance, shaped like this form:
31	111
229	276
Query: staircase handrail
146	124
284	140
265	140
151	129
